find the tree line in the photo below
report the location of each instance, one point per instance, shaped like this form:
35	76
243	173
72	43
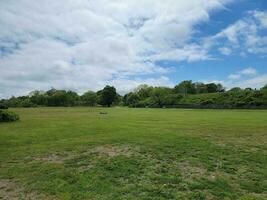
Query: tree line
183	94
105	97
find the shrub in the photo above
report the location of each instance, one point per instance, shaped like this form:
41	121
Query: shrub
240	104
3	106
27	104
144	103
7	116
207	102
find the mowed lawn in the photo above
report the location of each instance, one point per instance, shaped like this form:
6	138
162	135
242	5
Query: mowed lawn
78	153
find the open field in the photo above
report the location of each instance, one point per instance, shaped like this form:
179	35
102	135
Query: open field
76	153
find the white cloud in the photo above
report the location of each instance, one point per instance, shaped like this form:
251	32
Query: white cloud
225	51
247	77
86	44
247	35
234	76
190	53
261	16
249	71
255	82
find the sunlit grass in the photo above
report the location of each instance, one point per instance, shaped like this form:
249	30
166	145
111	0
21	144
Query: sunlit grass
77	153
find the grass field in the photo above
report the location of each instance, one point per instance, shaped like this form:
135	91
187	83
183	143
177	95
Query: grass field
76	153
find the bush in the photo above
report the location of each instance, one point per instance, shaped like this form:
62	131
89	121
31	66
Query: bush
3	106
207	102
240	104
144	103
7	116
27	104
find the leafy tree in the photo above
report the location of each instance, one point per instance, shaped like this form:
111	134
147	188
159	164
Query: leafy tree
61	98
107	96
99	97
51	92
185	87
200	88
3	104
132	99
38	97
143	91
27	103
159	95
211	88
14	102
172	99
248	89
72	98
56	98
264	87
220	88
118	100
235	89
147	96
125	99
89	98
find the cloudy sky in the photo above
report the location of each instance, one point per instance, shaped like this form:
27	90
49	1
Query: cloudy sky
85	44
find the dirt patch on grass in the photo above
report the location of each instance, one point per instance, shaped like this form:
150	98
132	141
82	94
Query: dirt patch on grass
10	190
190	172
53	158
113	151
86	160
84	168
103	150
250	143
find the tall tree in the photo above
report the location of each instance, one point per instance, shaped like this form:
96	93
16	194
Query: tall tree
220	88
211	87
108	95
143	91
89	98
159	95
185	87
132	99
200	88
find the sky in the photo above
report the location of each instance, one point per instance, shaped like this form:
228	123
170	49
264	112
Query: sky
84	45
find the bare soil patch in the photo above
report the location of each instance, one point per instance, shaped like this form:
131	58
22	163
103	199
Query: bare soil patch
113	151
11	190
53	158
191	172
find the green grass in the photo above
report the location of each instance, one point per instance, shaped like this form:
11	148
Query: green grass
76	153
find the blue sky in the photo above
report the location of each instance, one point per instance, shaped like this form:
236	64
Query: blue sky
84	45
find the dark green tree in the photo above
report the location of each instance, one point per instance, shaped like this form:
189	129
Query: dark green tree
264	87
108	96
235	89
211	87
220	88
